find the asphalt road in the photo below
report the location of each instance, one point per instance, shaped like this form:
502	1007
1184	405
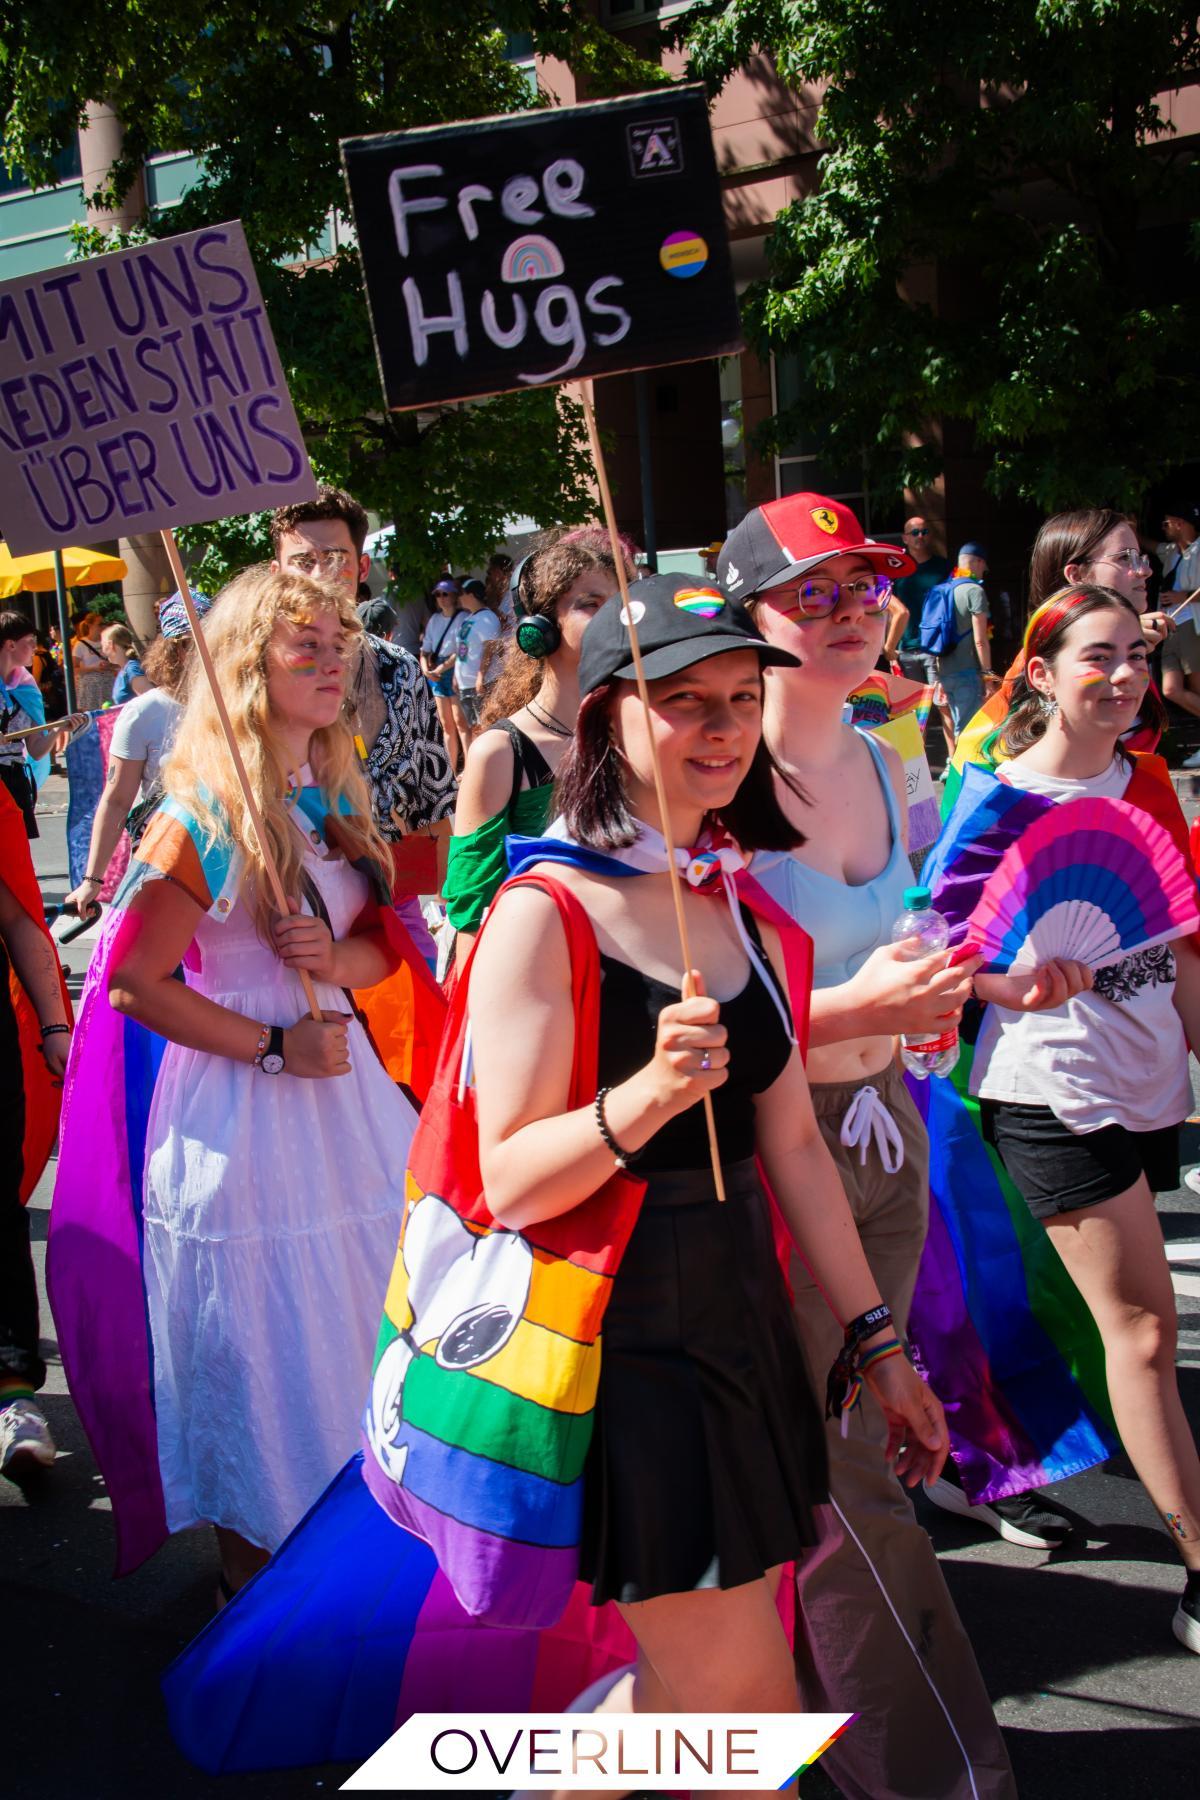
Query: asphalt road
1095	1696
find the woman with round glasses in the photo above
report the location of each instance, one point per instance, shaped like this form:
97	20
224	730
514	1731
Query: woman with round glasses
1094	544
819	588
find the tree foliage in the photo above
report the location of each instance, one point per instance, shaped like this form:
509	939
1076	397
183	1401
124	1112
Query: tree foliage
262	94
1014	152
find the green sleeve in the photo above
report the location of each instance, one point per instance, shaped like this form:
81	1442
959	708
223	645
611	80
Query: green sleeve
477	864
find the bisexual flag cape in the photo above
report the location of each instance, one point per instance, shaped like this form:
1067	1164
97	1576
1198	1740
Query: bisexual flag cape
42	1094
351	1627
997	1326
94	1260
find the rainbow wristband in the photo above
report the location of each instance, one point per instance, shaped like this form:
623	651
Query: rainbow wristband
868	1359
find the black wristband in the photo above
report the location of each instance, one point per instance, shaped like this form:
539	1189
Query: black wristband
53	1030
622	1158
868	1323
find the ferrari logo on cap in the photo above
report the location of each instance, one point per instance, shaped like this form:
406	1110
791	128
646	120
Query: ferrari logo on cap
824	519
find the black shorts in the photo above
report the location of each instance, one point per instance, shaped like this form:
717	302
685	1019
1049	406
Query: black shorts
1060	1171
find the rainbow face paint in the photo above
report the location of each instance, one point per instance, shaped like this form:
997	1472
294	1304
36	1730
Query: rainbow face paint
1091	678
300	662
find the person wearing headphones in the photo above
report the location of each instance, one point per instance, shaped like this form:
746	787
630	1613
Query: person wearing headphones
530	719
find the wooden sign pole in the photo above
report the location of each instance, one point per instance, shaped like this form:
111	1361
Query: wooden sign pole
239	767
660	792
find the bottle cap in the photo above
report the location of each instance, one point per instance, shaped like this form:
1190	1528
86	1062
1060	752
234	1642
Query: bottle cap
916	899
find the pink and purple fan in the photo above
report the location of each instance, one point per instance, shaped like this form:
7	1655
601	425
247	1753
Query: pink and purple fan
1091	880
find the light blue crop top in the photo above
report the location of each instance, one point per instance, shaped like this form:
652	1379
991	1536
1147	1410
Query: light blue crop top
845	921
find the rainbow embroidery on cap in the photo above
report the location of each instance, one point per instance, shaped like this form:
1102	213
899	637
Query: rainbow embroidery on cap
702	603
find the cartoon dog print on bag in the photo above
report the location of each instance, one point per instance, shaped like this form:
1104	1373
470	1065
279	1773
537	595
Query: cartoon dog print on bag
467	1292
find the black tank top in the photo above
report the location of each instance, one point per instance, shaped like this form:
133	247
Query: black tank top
529	765
630	1003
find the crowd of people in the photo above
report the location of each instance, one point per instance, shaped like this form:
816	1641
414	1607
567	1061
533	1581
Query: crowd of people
756	1409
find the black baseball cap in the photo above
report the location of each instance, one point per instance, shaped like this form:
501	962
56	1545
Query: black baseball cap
680	620
378	616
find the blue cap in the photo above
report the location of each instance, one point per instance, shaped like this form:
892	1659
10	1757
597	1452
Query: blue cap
971	549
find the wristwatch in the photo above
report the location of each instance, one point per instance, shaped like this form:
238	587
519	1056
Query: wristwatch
271	1062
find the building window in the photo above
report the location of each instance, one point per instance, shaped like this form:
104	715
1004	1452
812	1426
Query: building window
733	440
799	468
618	13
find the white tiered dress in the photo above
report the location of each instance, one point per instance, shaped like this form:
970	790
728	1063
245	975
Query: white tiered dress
272	1210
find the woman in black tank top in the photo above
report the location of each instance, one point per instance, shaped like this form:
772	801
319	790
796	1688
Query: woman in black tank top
506	785
708	1453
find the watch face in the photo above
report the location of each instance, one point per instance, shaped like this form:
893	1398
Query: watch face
272	1063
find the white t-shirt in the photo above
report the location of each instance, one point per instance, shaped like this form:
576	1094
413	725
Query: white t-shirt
145	730
1114	1056
440	636
1181	568
474	631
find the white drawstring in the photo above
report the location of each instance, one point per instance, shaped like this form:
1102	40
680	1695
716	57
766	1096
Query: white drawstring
868	1121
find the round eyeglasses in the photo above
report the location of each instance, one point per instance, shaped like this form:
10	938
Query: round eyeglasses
817	598
1125	559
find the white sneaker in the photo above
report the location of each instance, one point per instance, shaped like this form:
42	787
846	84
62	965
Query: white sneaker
1192	1180
24	1433
1021	1519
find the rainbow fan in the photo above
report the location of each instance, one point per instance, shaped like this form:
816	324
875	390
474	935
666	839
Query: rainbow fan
1092	880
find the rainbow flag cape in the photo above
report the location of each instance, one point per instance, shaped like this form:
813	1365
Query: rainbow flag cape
997	1326
975	745
42	1096
94	1267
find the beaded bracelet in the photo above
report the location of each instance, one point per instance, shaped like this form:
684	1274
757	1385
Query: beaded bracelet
622	1158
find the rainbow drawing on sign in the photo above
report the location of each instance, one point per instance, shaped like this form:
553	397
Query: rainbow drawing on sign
531	258
702	603
683	254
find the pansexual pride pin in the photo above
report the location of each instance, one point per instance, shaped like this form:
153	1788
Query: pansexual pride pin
683	254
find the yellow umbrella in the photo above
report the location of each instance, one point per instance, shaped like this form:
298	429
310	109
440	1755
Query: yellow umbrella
81	568
10	580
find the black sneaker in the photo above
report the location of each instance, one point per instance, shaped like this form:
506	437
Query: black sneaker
1021	1519
1186	1623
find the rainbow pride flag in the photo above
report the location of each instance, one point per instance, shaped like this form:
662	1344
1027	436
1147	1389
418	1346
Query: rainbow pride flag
94	1259
881	696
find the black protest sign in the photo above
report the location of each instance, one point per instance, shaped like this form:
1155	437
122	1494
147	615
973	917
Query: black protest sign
140	391
511	252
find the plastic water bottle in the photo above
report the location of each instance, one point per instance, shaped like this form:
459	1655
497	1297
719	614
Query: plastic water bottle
921	1054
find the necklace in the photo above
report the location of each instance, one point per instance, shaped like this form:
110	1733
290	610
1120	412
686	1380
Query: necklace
550	720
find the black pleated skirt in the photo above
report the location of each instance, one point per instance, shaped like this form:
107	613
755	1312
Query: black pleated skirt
708	1453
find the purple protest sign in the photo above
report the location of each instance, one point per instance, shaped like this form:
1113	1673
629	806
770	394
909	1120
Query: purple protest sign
140	391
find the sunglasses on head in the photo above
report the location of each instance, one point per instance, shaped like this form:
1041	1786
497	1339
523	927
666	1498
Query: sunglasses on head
816	598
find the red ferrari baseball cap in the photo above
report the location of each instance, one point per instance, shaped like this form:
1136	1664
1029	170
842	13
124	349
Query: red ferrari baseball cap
786	538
